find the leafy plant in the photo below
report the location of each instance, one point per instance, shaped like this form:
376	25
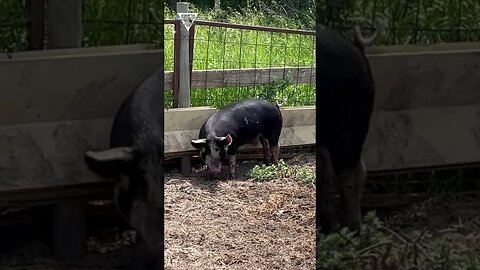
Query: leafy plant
378	247
282	170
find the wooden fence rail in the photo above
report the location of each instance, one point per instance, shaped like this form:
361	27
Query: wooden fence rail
218	78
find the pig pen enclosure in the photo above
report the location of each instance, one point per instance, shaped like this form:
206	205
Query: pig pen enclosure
240	223
423	141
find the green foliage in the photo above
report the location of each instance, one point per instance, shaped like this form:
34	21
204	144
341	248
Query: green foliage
266	173
281	13
141	21
221	48
377	247
105	23
424	22
282	170
122	22
13	33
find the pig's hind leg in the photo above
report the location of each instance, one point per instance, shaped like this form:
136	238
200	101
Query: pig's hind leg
274	146
266	150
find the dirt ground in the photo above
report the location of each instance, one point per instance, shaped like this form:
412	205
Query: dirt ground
240	224
218	224
234	224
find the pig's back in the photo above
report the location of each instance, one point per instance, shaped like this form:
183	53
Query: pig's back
244	120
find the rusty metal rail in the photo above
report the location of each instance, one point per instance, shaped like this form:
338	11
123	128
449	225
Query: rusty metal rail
249	27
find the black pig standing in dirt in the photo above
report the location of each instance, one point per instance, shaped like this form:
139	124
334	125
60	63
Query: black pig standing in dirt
242	122
135	157
345	96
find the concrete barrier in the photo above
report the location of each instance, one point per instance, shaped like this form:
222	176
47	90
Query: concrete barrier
427	108
55	105
183	124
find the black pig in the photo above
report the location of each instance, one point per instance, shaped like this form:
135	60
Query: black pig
241	122
135	157
345	98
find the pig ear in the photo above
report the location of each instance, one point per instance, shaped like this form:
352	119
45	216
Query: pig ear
110	162
113	154
199	143
228	140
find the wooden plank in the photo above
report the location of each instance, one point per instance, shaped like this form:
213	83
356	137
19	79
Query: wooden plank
398	200
218	78
286	152
55	194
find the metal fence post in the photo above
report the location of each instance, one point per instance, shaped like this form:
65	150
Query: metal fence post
184	70
184	76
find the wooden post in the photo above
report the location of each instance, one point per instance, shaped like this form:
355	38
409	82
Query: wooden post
36	24
184	77
69	231
64	24
64	30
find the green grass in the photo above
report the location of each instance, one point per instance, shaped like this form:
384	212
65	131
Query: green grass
282	170
223	48
105	22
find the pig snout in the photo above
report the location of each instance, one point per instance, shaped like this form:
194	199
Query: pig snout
215	170
213	165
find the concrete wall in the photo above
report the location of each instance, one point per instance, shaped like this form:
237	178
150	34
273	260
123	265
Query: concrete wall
407	81
183	124
427	107
55	105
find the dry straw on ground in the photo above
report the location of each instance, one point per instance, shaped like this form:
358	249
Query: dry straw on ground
239	224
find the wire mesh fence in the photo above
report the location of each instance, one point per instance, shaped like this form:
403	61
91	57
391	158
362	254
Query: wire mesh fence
122	22
409	22
140	21
171	28
13	26
232	62
104	23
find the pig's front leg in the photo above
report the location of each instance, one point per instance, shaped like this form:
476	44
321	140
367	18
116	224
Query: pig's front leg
231	165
